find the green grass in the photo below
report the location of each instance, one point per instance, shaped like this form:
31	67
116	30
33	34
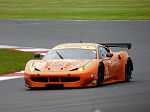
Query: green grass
13	61
75	9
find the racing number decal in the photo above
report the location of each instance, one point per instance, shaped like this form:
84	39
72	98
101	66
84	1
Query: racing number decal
115	67
106	64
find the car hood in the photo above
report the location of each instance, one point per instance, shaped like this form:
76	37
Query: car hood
58	64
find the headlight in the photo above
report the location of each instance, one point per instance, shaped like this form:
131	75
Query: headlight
32	68
80	69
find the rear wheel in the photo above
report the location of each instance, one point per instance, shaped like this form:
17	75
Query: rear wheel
100	78
128	71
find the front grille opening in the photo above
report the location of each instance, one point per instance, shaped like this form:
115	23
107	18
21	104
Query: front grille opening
54	79
39	79
69	79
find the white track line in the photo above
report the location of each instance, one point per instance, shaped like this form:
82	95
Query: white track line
81	20
10	77
34	49
20	72
20	48
6	46
43	54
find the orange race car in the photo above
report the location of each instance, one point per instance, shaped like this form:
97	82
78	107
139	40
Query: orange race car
79	65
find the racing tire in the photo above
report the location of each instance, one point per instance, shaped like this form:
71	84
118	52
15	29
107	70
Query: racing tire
128	71
100	77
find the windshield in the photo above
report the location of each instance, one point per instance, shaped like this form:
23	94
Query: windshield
71	54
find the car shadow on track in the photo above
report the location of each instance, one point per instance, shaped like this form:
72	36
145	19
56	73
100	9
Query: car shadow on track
57	88
119	83
74	88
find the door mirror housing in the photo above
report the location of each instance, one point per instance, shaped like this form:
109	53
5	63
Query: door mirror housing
37	55
109	55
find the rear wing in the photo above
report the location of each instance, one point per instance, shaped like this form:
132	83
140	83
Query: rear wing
122	45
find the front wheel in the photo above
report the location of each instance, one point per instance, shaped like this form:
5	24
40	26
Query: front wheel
100	78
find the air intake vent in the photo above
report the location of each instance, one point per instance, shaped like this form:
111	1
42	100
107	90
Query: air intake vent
54	79
69	79
39	79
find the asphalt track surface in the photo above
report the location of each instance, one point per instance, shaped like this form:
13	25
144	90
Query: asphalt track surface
132	96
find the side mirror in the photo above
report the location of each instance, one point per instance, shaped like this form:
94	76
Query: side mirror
37	55
109	55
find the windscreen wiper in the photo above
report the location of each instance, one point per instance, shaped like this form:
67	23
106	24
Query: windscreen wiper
59	55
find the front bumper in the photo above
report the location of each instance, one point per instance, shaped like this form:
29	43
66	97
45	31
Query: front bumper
47	80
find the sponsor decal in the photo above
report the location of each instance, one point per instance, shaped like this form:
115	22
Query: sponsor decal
115	63
106	63
58	65
75	46
75	66
39	65
94	75
62	60
107	72
106	76
94	81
